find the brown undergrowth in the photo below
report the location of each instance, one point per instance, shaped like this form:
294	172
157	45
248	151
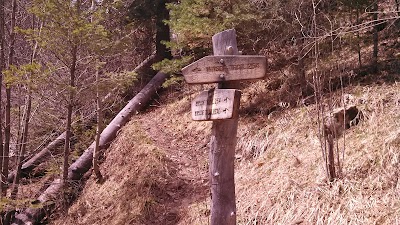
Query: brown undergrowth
157	169
286	182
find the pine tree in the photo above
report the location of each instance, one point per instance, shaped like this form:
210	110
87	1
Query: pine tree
70	32
154	14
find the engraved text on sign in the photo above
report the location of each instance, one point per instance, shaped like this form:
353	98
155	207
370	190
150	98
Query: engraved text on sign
214	69
215	104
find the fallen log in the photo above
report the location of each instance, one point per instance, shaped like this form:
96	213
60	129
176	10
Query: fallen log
84	162
51	148
40	157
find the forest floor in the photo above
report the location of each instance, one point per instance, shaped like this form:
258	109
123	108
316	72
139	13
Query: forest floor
153	174
157	169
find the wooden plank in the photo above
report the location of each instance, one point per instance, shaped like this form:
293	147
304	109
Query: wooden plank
213	69
215	104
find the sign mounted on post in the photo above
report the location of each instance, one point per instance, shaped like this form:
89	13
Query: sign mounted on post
216	104
224	68
214	69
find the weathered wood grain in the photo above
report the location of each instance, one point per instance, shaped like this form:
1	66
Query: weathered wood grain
222	147
215	104
214	69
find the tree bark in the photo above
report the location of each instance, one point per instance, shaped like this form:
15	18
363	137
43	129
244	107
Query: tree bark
375	37
358	37
96	149
83	163
2	67
397	2
162	31
70	105
330	159
7	129
23	142
25	130
69	112
22	150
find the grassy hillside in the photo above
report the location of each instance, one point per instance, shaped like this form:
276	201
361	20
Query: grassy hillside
157	169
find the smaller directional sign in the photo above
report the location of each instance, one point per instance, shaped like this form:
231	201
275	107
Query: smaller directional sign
215	104
214	69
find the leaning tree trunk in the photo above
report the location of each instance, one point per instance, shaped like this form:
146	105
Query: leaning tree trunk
84	163
51	149
40	157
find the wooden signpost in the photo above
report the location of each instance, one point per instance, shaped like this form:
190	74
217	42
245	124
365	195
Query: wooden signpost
221	106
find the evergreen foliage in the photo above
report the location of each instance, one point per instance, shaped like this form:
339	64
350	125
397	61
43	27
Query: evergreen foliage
194	22
63	28
143	10
304	41
30	75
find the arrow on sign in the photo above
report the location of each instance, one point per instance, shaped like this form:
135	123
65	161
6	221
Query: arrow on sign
214	69
215	104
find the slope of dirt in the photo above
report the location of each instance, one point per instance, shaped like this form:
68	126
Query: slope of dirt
152	175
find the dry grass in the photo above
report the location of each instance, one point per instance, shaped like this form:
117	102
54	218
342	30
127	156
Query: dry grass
136	186
285	182
280	177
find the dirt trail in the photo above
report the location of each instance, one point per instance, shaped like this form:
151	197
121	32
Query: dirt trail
188	155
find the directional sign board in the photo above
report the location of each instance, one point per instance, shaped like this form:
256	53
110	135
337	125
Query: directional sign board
214	69
215	104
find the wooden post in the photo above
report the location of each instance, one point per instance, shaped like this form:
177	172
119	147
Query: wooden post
221	106
223	144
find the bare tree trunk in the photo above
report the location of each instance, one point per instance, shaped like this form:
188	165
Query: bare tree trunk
2	67
7	129
375	37
83	164
96	149
398	13
7	134
23	142
69	113
331	158
25	130
22	150
358	37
